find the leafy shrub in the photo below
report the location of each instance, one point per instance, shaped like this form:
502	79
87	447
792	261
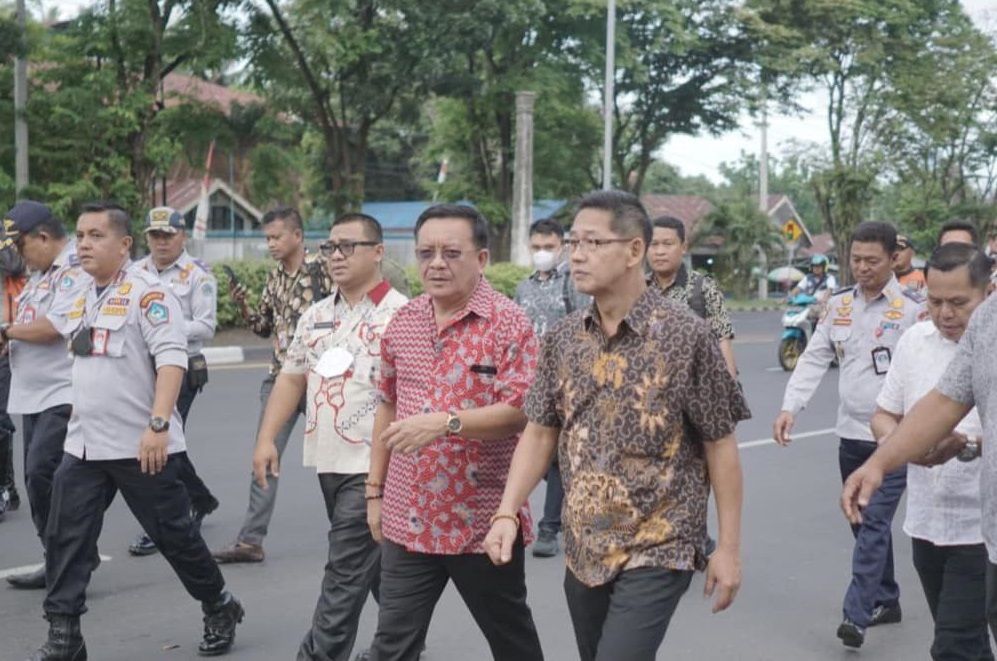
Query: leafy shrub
253	274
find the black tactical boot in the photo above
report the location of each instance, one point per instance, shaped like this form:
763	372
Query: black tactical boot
220	619
65	642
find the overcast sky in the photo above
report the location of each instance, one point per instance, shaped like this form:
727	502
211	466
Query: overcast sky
702	155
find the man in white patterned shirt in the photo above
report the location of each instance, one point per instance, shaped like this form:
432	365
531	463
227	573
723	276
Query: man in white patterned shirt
943	504
336	356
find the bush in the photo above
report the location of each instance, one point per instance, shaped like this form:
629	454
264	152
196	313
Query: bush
253	274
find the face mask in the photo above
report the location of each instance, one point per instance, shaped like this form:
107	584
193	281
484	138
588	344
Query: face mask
544	261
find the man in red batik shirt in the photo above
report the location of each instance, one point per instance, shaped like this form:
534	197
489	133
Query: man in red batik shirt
457	363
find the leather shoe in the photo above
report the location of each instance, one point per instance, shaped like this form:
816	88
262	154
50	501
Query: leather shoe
851	634
34	580
142	545
239	552
886	615
65	642
220	620
546	545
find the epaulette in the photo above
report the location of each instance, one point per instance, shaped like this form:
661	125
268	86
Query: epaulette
201	264
914	295
842	290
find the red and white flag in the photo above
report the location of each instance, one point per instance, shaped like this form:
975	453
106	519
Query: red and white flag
204	205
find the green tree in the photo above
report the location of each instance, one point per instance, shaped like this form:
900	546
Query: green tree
746	232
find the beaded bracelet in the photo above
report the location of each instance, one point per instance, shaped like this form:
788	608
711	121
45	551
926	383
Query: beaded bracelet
377	497
511	517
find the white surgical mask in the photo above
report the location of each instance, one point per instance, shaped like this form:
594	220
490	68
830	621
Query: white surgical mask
544	261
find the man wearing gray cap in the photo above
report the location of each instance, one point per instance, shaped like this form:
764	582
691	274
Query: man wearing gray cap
192	282
41	368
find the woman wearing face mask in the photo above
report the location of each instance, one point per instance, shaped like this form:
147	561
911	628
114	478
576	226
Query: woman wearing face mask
548	296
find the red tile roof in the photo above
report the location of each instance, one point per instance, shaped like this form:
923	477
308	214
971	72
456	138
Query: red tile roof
178	85
690	209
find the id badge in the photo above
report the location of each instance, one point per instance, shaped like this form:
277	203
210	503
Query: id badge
99	343
881	360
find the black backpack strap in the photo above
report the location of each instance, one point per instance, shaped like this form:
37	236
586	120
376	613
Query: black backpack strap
697	300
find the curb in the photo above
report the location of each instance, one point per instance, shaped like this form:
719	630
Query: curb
233	355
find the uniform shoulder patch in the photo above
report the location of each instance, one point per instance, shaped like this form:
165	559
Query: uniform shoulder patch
914	295
150	298
157	313
201	264
842	290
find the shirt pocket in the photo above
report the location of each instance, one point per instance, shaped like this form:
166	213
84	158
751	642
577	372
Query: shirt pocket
114	326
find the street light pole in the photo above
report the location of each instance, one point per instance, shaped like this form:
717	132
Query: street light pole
607	103
20	107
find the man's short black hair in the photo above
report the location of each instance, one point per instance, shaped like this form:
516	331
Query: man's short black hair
51	226
953	255
630	218
884	234
289	215
371	227
547	226
671	223
960	225
119	219
479	224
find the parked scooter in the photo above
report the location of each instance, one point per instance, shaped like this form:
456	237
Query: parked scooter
798	323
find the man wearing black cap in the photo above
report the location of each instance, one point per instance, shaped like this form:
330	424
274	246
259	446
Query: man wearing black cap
903	267
41	368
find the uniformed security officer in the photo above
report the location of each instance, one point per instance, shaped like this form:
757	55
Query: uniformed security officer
125	435
192	282
861	326
41	368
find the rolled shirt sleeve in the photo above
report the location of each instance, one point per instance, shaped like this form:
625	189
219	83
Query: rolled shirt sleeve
203	310
892	396
714	403
387	384
957	382
159	317
810	369
542	401
716	310
517	364
296	360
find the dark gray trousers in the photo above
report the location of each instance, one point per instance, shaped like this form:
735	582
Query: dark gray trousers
626	618
411	584
350	573
262	501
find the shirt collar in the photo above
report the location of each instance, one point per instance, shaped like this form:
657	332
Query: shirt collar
179	263
680	281
376	294
480	303
639	318
64	255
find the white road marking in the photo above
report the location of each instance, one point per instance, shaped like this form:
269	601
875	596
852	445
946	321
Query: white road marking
4	573
774	369
770	441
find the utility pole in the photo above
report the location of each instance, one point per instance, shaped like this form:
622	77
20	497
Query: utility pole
763	161
609	94
522	179
20	105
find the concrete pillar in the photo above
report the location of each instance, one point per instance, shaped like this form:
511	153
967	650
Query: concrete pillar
522	179
21	107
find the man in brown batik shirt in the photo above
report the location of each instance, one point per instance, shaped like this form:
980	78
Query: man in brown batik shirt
637	400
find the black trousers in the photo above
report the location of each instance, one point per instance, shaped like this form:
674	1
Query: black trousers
954	582
626	618
201	497
350	573
6	428
44	438
411	584
80	493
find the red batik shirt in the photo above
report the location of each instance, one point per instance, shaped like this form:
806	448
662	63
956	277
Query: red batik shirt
441	498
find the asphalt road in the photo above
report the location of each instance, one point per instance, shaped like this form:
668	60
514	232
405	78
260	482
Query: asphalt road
796	552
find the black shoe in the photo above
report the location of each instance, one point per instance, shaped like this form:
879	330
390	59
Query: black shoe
31	581
13	499
65	642
886	615
851	634
142	546
546	545
220	620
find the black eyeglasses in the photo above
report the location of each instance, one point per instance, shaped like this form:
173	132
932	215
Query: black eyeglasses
590	245
329	248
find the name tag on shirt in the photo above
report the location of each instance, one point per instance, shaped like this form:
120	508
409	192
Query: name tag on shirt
881	360
99	343
484	369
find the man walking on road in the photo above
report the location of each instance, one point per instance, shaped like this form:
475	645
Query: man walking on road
335	357
861	328
297	282
637	399
125	435
547	296
456	364
41	369
192	282
943	501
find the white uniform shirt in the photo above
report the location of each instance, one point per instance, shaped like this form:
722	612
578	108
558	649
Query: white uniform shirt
194	284
134	333
340	406
943	502
41	374
856	331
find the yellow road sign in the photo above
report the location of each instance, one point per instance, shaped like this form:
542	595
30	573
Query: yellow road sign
792	231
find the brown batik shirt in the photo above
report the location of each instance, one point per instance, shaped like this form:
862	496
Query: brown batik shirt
285	298
634	411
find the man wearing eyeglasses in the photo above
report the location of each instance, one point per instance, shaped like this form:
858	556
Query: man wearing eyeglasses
335	358
636	398
456	365
298	281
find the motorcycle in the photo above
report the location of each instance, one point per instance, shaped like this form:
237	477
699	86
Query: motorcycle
798	323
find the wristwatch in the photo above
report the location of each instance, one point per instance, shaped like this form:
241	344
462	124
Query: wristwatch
454	425
158	424
970	451
3	332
